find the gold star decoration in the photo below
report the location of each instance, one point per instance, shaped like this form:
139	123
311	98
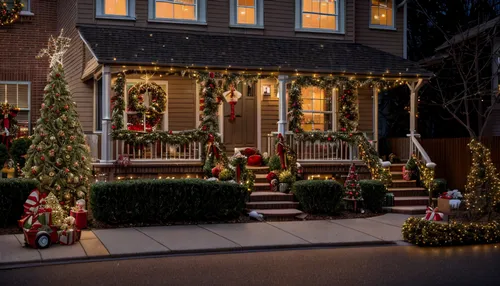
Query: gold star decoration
56	49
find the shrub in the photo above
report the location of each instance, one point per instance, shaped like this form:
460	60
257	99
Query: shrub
19	148
4	155
427	233
13	194
274	163
373	192
286	177
322	197
162	200
439	186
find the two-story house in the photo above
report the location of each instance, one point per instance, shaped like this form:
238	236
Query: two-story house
273	42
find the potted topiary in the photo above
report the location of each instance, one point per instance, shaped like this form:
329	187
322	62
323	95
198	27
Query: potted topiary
274	163
286	180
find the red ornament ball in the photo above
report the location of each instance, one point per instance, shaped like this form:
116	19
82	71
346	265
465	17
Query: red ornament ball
66	170
329	138
113	127
57	95
58	75
66	107
170	132
211	74
204	128
42	158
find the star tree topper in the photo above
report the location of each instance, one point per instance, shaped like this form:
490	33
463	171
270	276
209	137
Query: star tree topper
56	49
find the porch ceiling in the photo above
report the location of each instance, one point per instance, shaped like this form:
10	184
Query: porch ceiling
126	46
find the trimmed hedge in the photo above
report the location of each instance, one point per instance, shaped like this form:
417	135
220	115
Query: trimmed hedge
427	233
322	197
373	192
163	200
13	194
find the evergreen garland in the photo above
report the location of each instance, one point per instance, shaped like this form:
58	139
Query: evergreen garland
348	109
118	102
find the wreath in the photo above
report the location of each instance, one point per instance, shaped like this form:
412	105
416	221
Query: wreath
158	105
8	16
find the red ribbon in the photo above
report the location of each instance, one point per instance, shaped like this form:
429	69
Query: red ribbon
281	151
233	116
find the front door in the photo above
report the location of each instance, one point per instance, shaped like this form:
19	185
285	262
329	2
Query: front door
241	132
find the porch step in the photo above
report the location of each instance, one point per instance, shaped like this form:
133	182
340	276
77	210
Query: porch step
397	175
398	167
270	196
260	178
272	205
410	210
408	192
261	187
259	170
403	183
278	213
411	201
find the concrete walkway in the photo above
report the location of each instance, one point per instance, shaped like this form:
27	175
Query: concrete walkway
124	242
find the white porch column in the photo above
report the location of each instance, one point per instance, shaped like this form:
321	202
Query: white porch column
106	115
282	104
375	117
414	87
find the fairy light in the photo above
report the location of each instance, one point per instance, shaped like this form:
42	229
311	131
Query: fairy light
56	49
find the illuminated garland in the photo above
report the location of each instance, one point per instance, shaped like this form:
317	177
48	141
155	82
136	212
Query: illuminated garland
483	184
348	109
118	103
9	16
154	113
427	233
165	137
426	176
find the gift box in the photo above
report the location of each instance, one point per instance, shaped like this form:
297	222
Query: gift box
444	205
69	236
49	233
80	218
389	200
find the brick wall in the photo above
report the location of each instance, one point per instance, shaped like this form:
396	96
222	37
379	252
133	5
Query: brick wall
20	42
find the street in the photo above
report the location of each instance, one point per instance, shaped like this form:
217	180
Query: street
387	265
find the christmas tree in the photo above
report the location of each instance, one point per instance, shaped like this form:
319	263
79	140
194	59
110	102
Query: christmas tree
352	188
58	156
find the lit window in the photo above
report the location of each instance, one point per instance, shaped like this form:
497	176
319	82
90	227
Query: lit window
18	94
116	8
320	15
317	109
382	13
247	13
178	10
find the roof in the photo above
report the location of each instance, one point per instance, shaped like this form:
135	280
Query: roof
470	33
129	46
90	67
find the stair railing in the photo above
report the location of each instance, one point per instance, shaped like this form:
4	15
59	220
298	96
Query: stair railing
425	164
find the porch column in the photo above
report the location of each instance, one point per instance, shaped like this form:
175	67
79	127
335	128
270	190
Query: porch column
375	117
106	115
335	98
414	87
282	104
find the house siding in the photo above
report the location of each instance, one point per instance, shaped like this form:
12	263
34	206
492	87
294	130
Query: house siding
21	42
365	101
269	112
74	63
385	40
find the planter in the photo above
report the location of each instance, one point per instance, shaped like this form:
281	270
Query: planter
284	187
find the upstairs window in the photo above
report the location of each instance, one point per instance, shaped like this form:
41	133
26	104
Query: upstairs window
382	14
319	15
189	11
115	8
247	13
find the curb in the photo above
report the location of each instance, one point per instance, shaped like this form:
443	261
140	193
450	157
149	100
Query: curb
174	253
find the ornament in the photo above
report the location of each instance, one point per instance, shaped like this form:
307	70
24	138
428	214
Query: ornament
42	158
58	188
66	107
52	153
52	138
43	105
81	194
51	174
211	74
71	138
67	196
64	118
57	95
67	157
66	170
34	170
83	158
61	134
113	127
58	75
75	164
69	148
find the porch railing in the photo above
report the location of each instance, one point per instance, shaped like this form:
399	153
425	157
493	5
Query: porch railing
158	151
427	166
315	151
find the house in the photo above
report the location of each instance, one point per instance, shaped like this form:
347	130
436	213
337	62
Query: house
257	51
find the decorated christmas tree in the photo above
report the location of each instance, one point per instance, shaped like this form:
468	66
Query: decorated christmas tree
352	188
58	156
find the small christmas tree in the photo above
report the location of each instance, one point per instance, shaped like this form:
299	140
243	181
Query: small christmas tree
58	156
352	188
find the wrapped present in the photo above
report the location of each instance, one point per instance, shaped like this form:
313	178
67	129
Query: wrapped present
389	200
69	236
41	237
80	218
406	174
433	214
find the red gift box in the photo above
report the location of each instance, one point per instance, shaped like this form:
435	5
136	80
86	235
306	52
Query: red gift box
69	237
80	218
41	238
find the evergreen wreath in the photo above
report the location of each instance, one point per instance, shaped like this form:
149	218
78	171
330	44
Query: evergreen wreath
8	16
158	106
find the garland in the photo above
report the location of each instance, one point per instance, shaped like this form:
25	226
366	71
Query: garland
118	102
427	233
348	109
9	16
165	137
158	106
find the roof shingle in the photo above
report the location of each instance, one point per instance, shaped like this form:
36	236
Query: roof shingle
166	48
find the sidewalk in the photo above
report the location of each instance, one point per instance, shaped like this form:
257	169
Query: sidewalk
126	242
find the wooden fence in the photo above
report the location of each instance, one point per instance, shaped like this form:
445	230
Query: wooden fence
452	156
